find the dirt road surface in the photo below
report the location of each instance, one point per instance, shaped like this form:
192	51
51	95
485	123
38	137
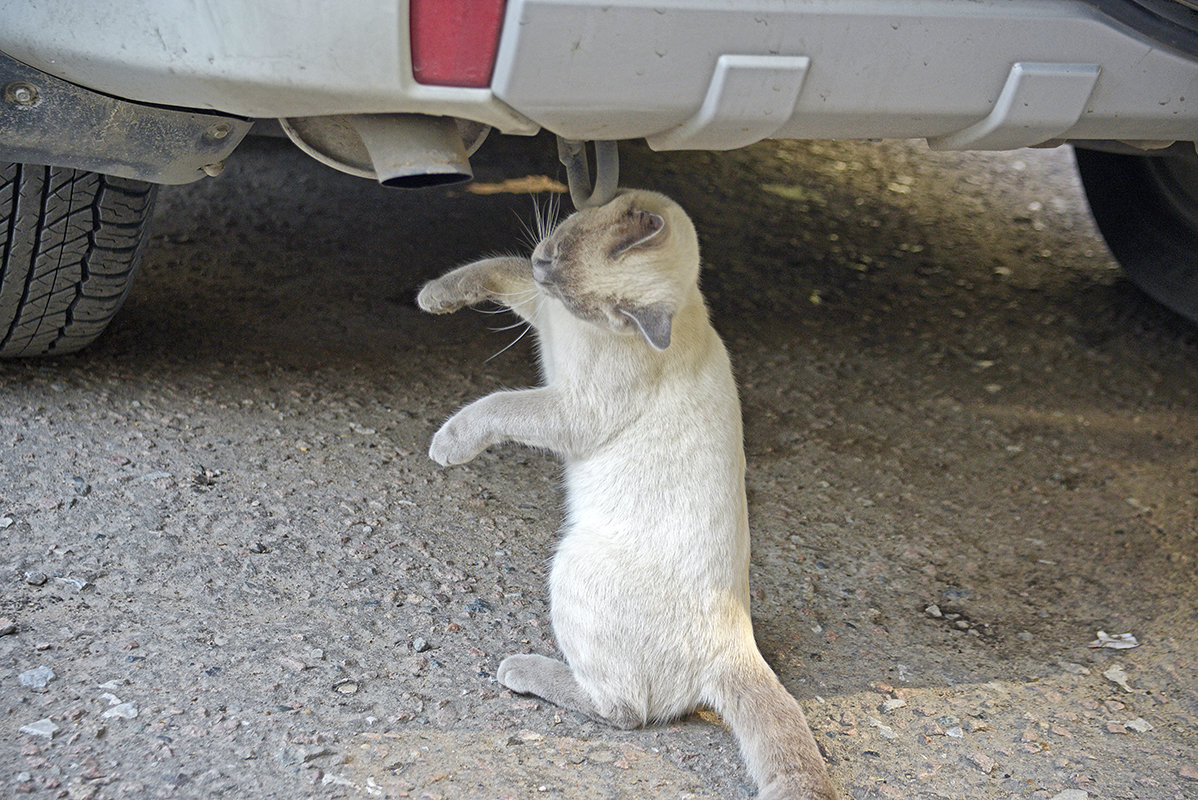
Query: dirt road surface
228	568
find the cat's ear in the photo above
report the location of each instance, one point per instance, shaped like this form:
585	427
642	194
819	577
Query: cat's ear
637	228
654	323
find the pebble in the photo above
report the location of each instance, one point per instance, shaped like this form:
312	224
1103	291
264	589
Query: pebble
35	578
37	678
7	626
982	761
893	703
885	731
419	644
346	687
5	522
955	732
1117	676
933	611
43	727
122	711
479	606
1071	794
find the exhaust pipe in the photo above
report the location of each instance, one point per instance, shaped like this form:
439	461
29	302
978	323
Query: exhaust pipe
410	151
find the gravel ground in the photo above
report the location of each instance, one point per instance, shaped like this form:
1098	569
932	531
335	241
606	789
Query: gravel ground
229	569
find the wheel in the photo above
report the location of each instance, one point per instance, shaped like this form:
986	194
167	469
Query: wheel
69	245
1147	210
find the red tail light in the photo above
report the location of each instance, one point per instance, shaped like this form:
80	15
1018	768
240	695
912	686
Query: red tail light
454	41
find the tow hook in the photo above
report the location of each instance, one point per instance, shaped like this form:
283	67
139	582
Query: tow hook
573	155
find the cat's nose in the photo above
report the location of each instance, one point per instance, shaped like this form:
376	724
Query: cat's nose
541	268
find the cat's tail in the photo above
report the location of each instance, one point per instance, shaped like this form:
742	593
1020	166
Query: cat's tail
774	737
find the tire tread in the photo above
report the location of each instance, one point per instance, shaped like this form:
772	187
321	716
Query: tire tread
70	242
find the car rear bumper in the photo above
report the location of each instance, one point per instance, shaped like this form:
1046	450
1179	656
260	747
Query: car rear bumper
682	73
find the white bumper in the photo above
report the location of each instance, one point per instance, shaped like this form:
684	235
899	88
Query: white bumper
682	73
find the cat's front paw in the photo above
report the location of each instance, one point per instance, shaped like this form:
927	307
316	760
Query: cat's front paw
441	296
455	443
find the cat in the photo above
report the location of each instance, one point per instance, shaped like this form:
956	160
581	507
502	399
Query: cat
649	588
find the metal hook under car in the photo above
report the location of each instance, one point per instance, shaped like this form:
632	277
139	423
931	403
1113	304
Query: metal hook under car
573	155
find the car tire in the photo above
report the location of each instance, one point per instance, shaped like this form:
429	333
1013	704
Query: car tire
70	242
1147	210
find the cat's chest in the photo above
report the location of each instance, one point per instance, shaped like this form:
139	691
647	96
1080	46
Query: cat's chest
568	351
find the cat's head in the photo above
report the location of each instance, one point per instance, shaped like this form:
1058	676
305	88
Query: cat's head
627	266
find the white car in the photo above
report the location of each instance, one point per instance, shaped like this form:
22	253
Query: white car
118	97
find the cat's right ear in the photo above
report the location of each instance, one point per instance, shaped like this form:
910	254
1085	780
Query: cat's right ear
636	228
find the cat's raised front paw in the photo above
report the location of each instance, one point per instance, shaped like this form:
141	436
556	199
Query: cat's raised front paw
454	444
438	297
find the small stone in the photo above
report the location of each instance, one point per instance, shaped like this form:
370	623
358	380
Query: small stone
1139	725
1071	794
480	606
37	678
885	731
293	664
419	644
933	611
1116	675
955	732
82	487
7	626
35	578
5	522
982	761
346	687
1189	773
893	703
121	711
43	727
1115	727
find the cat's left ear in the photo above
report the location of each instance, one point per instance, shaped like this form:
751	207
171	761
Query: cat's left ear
637	228
654	322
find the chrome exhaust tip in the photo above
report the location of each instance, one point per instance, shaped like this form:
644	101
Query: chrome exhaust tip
409	151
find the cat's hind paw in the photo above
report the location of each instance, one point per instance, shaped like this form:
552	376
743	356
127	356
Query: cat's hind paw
532	674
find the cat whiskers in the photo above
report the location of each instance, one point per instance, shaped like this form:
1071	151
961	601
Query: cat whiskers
527	327
544	219
507	302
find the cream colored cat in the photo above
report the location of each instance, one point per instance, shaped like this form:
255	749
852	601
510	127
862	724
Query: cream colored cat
649	586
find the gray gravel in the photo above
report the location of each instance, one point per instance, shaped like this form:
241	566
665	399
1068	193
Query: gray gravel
971	447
